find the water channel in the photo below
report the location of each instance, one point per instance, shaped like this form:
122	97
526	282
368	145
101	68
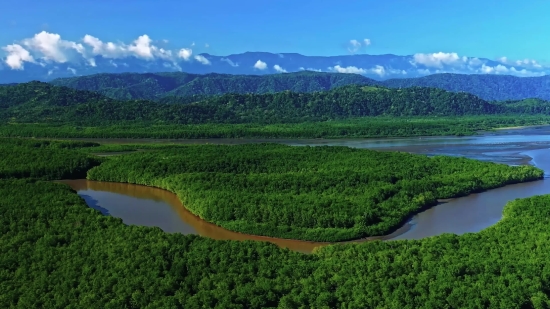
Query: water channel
147	206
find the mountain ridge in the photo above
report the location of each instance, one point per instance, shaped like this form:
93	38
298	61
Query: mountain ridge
38	102
155	86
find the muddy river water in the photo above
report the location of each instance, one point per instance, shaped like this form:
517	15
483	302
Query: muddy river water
147	206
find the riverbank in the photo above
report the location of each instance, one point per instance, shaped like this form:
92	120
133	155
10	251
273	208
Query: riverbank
365	127
159	215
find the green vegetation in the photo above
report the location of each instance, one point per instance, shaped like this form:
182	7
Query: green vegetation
44	159
308	193
40	102
486	86
55	252
351	128
155	86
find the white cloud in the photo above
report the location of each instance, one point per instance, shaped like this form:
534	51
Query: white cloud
349	69
437	60
202	59
206	45
231	63
107	50
424	71
396	72
142	47
71	70
310	69
260	65
524	72
503	59
17	55
185	53
529	63
475	62
501	69
355	45
279	69
52	47
378	70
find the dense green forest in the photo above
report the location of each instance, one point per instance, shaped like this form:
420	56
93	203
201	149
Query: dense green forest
55	252
309	193
486	86
155	86
44	159
41	102
358	127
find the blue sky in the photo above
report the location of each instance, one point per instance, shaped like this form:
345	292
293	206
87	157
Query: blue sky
482	28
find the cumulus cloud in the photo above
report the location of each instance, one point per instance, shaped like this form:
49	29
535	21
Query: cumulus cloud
377	69
185	53
437	60
17	55
52	47
354	45
107	50
528	63
202	59
260	65
231	63
349	69
279	69
496	69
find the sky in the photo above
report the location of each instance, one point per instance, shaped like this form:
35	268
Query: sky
480	28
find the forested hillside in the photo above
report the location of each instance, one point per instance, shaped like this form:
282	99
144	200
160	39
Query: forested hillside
154	86
42	102
485	86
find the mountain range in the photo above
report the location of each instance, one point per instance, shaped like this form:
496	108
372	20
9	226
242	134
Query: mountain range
193	87
38	102
379	67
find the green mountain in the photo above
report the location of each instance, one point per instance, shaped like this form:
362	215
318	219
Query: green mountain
154	86
195	87
487	87
42	102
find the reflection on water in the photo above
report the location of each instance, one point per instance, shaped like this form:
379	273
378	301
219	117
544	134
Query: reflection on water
147	206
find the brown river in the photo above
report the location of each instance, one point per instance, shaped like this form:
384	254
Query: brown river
147	206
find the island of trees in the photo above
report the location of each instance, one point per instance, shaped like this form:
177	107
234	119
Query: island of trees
309	193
